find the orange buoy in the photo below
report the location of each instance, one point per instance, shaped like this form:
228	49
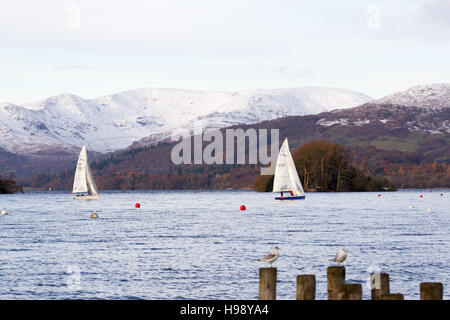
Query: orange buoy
137	205
242	208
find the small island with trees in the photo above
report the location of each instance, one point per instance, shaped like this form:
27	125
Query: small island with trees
8	185
325	166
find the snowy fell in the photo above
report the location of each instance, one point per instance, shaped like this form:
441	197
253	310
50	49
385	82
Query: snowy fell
108	123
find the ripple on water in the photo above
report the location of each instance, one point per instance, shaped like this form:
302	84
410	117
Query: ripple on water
185	246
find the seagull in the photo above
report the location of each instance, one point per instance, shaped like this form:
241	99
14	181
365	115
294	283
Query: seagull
340	256
270	258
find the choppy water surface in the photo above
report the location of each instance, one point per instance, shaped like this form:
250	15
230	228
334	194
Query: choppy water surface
182	245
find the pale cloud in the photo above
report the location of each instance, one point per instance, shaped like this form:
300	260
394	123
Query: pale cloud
437	11
91	48
74	68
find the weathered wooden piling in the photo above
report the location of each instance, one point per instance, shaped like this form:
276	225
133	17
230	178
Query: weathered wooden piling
306	287
267	284
392	296
336	281
431	291
379	283
352	291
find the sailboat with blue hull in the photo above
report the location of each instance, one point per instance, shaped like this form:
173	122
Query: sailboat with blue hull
286	181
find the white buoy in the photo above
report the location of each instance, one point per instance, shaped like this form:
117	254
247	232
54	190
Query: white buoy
429	210
4	212
411	206
94	215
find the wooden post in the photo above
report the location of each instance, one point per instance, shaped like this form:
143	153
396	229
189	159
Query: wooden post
306	287
379	283
392	296
336	281
267	284
431	291
352	291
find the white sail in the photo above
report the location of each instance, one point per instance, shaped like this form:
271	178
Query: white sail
286	176
79	182
92	187
84	181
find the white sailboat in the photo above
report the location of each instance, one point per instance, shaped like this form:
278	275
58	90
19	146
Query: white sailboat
84	181
286	177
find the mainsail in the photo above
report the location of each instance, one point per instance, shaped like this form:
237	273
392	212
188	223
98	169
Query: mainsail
84	180
286	177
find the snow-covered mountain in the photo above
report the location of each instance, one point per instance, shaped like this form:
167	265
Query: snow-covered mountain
419	109
433	96
113	122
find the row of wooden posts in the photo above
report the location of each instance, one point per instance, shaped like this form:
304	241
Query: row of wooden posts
339	290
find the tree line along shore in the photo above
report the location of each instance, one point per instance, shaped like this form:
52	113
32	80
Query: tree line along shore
321	165
8	185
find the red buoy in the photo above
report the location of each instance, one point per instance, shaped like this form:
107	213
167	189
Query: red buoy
379	195
421	196
137	205
431	190
242	208
442	194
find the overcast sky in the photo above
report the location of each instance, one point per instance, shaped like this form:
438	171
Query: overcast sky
92	48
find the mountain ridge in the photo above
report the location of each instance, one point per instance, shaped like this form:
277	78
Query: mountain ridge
115	121
430	96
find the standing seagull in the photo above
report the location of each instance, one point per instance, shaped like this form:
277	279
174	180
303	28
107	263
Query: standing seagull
270	258
340	256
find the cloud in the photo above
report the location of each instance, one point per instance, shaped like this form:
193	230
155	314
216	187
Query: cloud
437	11
74	68
295	72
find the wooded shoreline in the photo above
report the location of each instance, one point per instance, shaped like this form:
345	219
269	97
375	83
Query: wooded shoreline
8	185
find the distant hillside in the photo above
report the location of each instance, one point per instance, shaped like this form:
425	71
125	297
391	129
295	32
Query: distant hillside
409	145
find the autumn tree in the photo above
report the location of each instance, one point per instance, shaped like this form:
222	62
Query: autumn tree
8	185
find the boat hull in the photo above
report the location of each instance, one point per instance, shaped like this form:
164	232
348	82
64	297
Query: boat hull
291	198
93	197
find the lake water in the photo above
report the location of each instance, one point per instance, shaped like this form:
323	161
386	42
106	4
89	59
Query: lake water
186	245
